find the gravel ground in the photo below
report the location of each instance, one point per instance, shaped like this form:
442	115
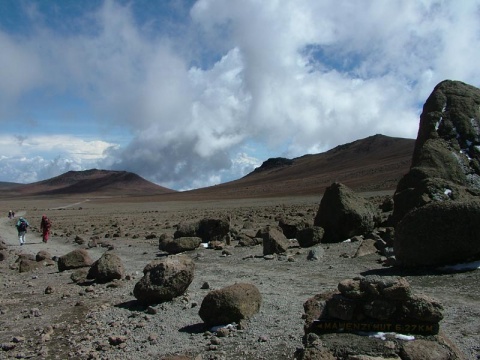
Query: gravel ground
105	321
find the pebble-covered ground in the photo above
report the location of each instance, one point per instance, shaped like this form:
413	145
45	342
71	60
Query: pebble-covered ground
44	315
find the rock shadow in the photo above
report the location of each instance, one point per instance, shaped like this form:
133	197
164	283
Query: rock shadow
395	271
133	305
162	255
194	328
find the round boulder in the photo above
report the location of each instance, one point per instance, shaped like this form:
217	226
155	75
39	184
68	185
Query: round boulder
43	255
108	268
164	279
74	259
230	304
182	244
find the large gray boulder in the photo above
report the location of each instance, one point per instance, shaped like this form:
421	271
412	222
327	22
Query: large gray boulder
74	259
231	304
164	279
343	214
439	233
108	268
446	159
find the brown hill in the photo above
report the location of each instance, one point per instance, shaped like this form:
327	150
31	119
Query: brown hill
92	182
371	164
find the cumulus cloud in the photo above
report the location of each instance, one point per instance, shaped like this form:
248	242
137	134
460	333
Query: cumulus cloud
29	159
294	77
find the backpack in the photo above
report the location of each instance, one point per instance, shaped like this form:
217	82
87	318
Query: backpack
22	226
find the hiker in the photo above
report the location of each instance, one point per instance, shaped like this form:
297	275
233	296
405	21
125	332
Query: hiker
22	225
45	225
10	215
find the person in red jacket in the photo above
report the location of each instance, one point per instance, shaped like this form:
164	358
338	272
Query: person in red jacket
45	228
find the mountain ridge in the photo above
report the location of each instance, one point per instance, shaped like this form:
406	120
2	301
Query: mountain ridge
371	164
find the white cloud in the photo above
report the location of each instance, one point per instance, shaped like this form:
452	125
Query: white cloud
33	158
244	164
79	149
294	77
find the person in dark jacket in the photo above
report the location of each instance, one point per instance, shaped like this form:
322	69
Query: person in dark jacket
22	226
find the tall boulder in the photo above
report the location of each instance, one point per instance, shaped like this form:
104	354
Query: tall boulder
164	279
435	203
446	159
343	214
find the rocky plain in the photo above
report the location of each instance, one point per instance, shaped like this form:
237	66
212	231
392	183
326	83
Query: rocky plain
387	258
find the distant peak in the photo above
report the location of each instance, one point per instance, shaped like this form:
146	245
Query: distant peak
274	163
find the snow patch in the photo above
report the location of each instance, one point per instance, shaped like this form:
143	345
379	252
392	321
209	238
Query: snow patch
437	125
232	326
456	131
474	265
383	335
475	125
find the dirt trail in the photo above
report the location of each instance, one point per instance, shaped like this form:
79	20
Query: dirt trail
33	241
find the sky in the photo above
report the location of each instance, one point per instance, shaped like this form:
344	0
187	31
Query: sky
189	94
